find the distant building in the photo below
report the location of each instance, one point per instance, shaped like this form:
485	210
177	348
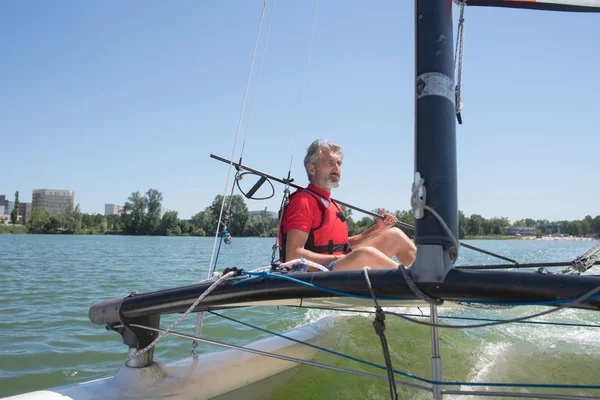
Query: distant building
25	211
55	201
521	230
2	209
256	213
112	209
3	203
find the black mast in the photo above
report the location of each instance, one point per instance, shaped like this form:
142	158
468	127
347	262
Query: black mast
435	183
435	137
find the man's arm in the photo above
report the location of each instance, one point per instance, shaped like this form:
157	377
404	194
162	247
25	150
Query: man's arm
381	224
294	248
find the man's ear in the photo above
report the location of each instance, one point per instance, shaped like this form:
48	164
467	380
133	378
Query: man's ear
311	169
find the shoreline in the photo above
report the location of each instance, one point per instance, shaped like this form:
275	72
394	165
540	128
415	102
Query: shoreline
559	238
21	231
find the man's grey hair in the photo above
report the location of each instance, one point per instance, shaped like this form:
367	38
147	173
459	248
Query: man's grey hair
315	150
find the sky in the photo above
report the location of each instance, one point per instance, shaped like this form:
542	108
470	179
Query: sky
109	98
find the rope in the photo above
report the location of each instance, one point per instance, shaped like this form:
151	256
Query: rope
411	284
379	326
284	202
482	306
292	263
185	314
460	38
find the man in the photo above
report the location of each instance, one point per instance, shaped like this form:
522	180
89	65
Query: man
314	227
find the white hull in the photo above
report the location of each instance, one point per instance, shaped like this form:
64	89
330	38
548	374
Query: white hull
201	377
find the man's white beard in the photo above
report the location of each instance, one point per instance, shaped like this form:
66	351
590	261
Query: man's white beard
329	183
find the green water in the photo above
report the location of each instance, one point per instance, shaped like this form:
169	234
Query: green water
50	281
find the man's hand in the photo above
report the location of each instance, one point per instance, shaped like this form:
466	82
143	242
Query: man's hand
387	222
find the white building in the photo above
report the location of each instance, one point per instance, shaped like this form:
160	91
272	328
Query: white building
112	209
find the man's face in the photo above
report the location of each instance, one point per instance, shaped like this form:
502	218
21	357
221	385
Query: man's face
327	172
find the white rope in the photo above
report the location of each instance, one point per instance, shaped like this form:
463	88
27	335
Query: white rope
290	264
189	310
459	53
304	82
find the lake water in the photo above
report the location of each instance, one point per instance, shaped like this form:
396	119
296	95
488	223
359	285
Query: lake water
50	281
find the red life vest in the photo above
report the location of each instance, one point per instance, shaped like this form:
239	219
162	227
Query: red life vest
329	237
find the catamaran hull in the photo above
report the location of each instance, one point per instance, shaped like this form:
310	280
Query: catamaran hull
207	376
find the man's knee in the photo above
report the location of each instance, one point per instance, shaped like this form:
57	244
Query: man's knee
397	236
405	246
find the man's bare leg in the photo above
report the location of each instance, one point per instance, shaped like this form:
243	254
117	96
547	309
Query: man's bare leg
394	242
364	256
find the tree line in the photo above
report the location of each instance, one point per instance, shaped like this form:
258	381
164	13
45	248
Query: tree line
141	215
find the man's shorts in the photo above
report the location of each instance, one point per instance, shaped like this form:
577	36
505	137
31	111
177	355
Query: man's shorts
330	265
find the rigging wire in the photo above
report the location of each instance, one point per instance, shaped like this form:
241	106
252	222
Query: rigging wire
262	58
286	190
563	324
312	31
237	135
425	380
225	235
213	260
405	374
278	356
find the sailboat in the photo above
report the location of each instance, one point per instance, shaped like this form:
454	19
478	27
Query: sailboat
433	280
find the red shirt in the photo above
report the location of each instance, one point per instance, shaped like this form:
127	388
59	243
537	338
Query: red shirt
306	214
303	212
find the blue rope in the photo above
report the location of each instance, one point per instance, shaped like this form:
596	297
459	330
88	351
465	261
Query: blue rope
216	258
459	318
408	375
318	347
223	234
267	274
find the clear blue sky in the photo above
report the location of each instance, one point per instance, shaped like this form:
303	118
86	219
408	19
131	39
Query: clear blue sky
108	98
